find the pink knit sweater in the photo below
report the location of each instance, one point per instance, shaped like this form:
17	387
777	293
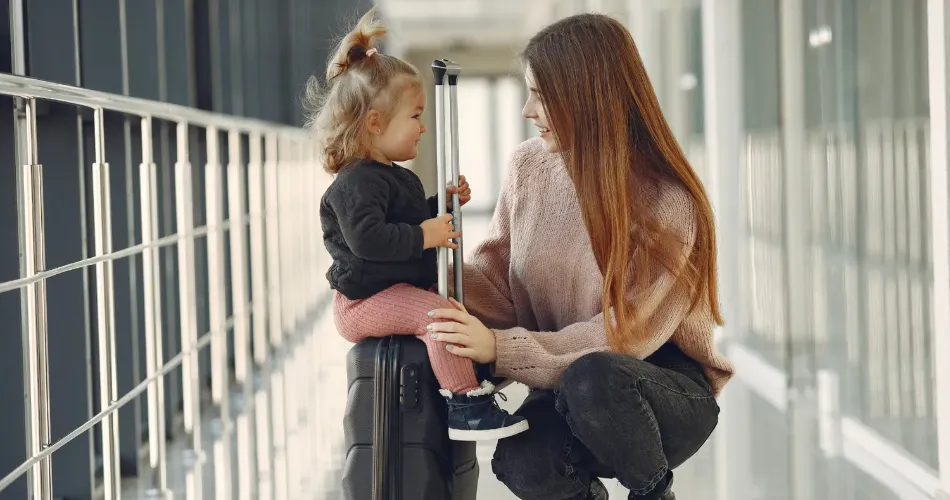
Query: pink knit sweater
535	281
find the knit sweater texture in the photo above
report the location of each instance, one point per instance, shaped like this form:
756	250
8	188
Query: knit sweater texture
534	280
371	217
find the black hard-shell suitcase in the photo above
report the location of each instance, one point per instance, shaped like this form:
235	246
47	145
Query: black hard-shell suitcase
396	423
396	431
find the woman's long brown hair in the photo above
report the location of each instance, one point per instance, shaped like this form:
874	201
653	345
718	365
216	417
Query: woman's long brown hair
617	144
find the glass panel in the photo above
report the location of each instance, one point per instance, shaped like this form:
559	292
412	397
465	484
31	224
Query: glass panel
475	158
867	132
763	178
763	186
510	129
679	81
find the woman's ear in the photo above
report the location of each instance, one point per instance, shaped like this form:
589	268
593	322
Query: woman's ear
374	122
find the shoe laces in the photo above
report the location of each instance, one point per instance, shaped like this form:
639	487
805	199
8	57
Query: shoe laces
494	401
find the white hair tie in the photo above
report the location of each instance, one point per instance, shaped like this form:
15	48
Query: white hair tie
370	52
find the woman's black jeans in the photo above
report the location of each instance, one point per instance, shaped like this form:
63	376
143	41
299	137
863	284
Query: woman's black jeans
611	416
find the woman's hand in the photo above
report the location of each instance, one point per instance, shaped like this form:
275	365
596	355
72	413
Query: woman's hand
465	335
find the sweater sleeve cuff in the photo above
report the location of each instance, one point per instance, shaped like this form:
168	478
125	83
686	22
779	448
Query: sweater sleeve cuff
504	356
418	241
514	352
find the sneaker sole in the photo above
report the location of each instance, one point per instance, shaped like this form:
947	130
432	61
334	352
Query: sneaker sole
488	435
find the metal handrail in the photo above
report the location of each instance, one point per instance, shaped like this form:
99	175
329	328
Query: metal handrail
278	203
173	363
32	88
127	252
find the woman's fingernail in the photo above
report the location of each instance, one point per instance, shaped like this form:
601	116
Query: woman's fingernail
429	327
448	348
434	336
431	313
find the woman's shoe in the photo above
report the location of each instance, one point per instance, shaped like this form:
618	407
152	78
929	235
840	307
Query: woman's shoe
663	491
668	491
597	490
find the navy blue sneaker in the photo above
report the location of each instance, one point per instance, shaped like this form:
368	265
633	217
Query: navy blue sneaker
476	416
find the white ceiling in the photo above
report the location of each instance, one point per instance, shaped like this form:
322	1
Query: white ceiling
433	23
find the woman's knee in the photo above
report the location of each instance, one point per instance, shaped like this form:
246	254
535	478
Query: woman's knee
588	378
530	473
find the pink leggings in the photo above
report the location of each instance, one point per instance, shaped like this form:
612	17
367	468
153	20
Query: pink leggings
403	309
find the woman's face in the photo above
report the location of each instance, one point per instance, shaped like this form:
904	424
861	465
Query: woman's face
534	111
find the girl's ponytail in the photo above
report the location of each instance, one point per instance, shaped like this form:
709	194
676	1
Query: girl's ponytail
354	46
358	79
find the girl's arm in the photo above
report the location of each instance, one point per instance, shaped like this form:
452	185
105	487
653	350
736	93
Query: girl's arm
360	206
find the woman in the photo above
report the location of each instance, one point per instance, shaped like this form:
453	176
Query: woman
633	397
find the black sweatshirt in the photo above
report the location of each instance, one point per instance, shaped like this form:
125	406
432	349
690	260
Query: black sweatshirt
371	216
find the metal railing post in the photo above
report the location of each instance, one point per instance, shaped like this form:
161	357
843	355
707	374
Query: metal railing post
242	315
187	295
34	261
220	376
151	287
105	306
255	194
272	234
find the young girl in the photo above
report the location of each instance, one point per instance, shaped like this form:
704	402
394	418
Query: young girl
378	225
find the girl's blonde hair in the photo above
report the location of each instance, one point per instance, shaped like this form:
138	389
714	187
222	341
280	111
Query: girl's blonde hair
355	84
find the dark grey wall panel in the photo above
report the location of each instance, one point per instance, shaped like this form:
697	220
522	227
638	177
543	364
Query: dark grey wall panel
102	66
143	52
52	53
203	70
142	38
100	46
235	43
12	418
221	53
70	341
165	159
174	17
315	28
52	56
251	59
199	157
268	31
177	19
12	424
12	428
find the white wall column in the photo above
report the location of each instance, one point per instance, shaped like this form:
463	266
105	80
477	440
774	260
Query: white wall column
722	65
644	30
722	60
937	32
801	416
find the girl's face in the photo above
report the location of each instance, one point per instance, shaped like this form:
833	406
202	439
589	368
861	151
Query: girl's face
398	140
534	111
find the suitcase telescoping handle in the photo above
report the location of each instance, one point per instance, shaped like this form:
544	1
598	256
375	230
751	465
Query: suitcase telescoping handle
446	71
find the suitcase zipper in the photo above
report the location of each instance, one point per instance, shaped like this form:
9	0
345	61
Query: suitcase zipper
394	464
387	429
380	414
